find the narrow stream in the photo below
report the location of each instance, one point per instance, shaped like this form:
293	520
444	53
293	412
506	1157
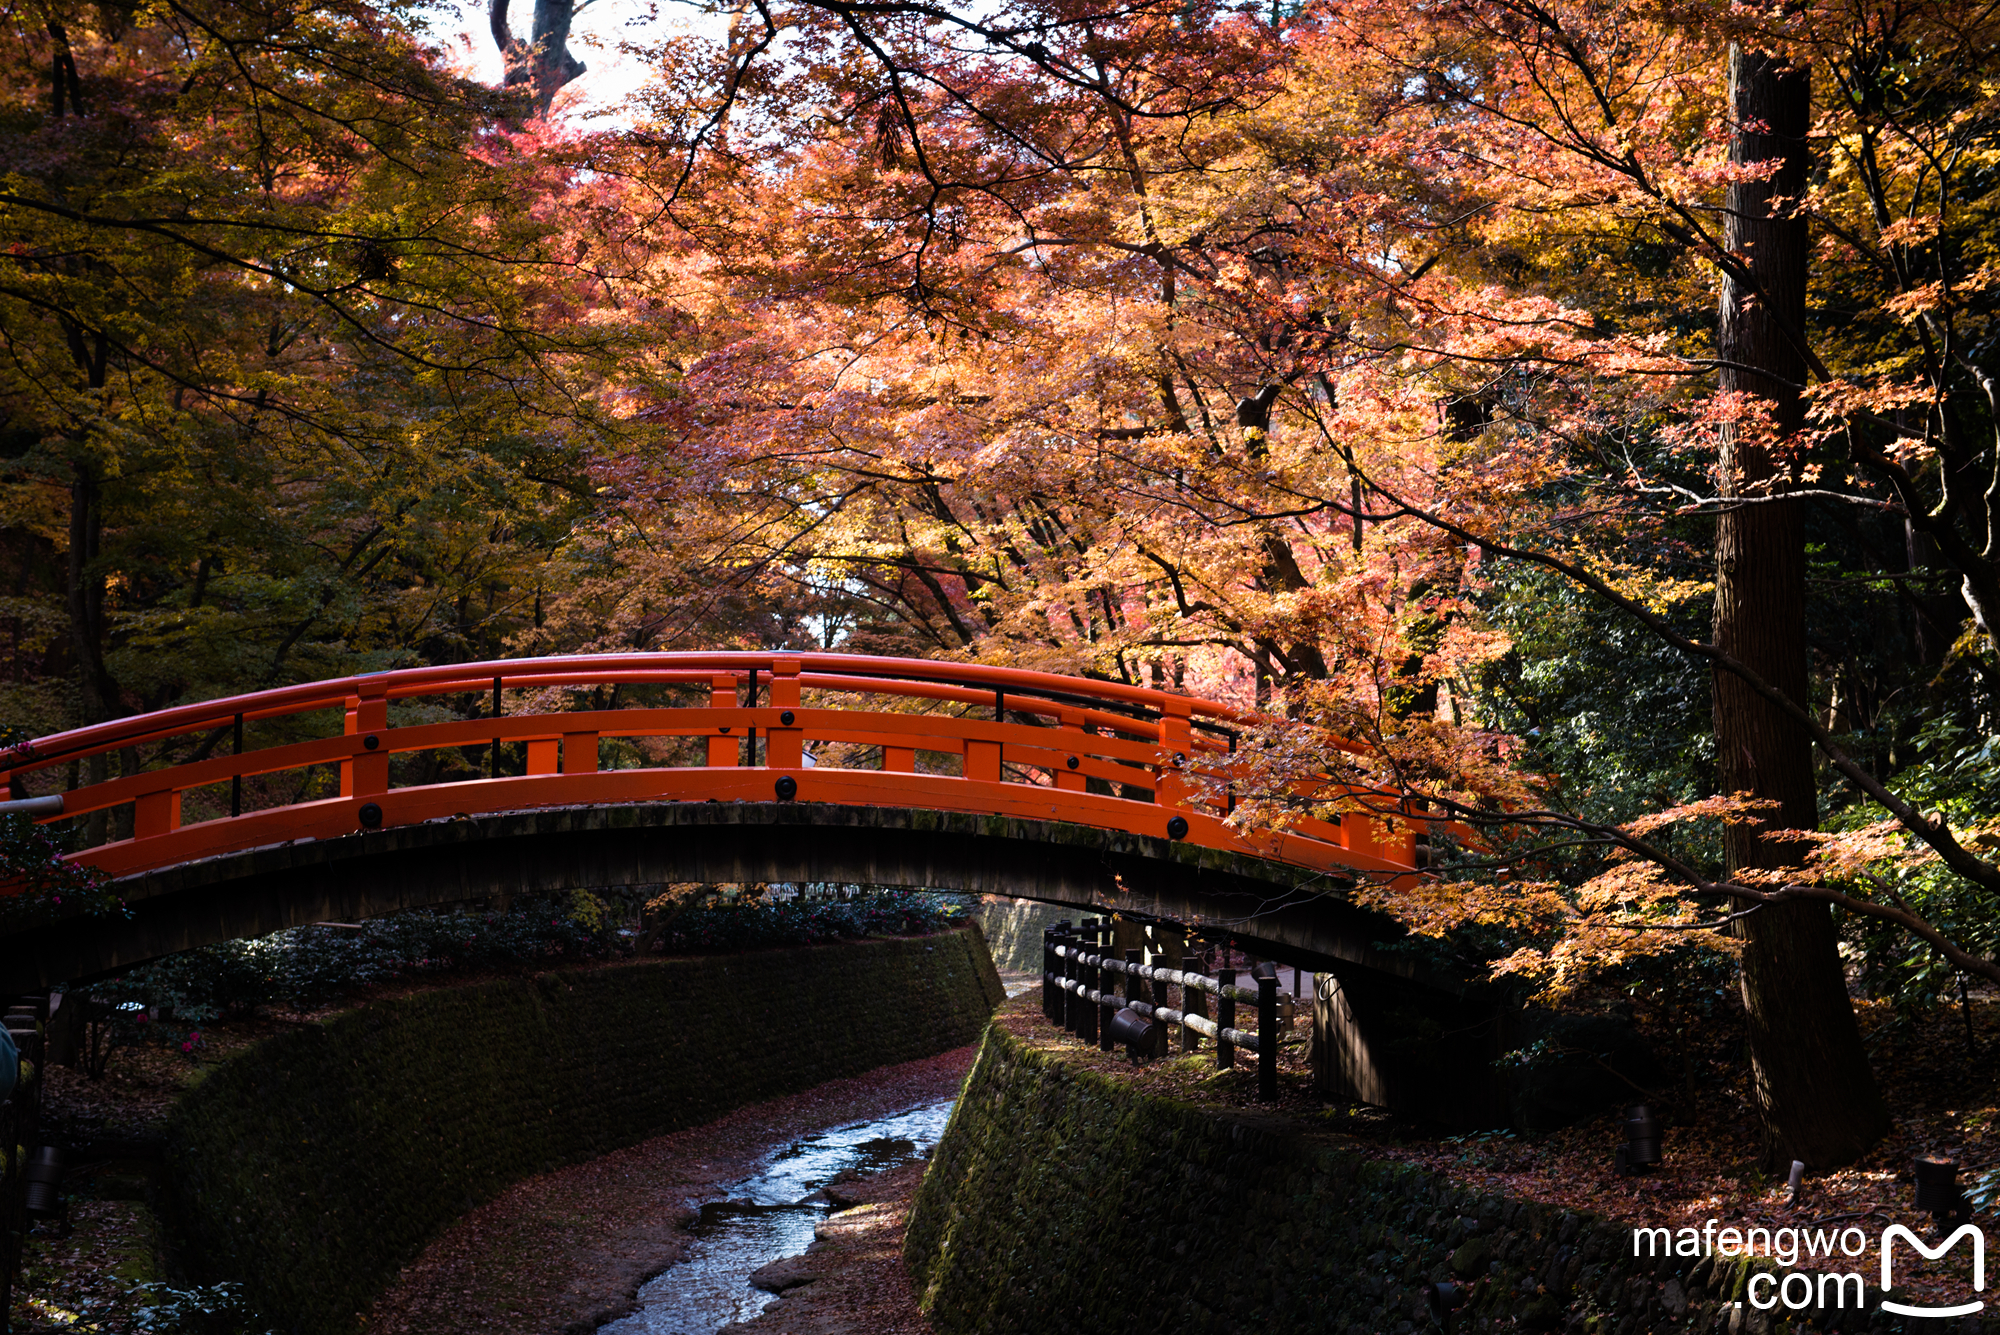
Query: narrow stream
766	1216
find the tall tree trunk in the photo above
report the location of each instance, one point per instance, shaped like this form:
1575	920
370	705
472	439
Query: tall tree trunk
98	692
1281	571
1817	1093
86	596
543	62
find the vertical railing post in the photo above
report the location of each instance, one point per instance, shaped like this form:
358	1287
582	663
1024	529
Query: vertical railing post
1229	793
723	750
1194	1001
366	774
1049	989
1086	977
1068	779
784	741
236	780
1171	787
1133	982
1061	939
1160	1001
1105	988
371	720
579	752
1267	1038
493	764
1073	973
1225	1018
350	726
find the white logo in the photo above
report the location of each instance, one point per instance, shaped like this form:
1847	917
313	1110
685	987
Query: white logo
1894	1231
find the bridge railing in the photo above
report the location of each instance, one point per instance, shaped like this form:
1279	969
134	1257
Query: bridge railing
393	748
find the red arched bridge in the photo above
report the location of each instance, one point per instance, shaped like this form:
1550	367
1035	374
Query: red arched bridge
374	792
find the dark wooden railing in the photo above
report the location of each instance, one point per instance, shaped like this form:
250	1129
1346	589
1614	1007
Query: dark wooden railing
1079	992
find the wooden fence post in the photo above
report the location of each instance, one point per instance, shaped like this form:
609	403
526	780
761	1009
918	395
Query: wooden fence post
1087	976
1160	1002
1105	987
1225	1018
1072	1018
1267	1038
1049	970
1193	1001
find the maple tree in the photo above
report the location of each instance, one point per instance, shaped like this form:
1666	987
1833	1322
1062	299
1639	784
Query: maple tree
1371	366
304	338
1257	383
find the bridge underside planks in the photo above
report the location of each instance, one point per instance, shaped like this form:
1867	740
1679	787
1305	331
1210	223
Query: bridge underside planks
1287	910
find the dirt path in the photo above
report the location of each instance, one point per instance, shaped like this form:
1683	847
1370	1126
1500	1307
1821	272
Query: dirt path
568	1250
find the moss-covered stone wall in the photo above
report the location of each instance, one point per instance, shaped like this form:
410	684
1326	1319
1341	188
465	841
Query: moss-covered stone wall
1062	1199
1013	930
314	1165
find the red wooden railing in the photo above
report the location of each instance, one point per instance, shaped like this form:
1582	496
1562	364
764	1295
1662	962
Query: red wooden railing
992	740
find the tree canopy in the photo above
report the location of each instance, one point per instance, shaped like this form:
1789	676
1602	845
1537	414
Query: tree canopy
1588	408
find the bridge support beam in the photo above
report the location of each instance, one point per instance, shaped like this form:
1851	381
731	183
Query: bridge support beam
1271	908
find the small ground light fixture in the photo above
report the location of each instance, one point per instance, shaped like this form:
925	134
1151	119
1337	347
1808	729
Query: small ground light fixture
1135	1031
1797	1182
1641	1149
44	1183
1441	1301
1937	1191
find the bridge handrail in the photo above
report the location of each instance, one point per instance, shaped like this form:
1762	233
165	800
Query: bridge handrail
866	672
1173	750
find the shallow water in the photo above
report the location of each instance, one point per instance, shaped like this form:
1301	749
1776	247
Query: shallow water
765	1216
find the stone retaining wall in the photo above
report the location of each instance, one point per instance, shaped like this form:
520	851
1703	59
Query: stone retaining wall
1062	1199
314	1165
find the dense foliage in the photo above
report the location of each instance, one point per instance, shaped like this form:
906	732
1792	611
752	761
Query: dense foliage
1383	367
